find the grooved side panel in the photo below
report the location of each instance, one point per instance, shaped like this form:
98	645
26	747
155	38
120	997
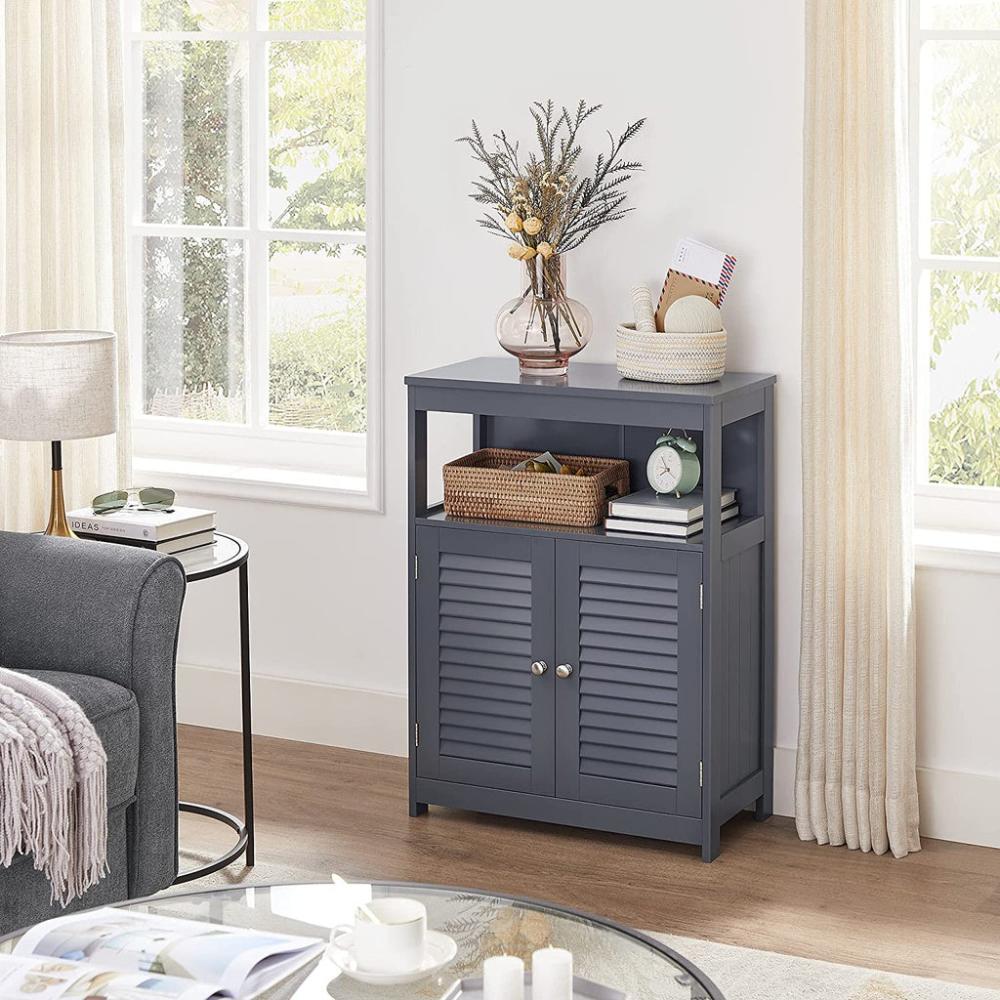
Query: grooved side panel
741	601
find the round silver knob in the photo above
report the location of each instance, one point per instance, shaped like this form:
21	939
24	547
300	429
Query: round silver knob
539	667
564	670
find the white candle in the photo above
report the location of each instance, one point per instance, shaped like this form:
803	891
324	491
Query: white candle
552	974
503	978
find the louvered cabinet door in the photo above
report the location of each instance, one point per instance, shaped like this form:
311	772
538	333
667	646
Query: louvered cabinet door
485	613
628	716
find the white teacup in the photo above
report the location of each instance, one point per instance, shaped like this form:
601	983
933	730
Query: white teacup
393	945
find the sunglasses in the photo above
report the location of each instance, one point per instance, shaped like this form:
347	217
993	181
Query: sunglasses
149	498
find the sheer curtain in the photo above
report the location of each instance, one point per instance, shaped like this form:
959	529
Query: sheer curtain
62	215
856	769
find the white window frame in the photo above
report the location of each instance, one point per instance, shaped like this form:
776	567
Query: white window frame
939	508
317	468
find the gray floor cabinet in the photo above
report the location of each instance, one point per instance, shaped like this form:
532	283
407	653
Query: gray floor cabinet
614	681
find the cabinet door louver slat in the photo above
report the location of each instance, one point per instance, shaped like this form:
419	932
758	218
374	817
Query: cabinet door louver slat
633	595
640	741
626	658
480	660
491	598
498	612
611	707
483	752
490	691
617	723
633	643
476	626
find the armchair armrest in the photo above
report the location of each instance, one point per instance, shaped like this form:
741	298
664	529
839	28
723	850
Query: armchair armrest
110	611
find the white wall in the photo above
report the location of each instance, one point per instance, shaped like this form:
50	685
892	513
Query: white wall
721	82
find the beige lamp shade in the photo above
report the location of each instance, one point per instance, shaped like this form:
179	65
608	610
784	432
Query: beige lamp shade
58	385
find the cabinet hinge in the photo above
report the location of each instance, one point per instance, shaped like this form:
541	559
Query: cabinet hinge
416	567
416	734
701	596
701	774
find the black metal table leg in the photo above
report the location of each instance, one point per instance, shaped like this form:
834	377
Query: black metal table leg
236	556
247	721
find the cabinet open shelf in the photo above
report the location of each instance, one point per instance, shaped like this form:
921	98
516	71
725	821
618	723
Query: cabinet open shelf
602	679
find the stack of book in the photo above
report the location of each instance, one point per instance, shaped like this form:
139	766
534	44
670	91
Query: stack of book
179	529
649	513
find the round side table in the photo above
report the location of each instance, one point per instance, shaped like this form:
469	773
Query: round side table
228	553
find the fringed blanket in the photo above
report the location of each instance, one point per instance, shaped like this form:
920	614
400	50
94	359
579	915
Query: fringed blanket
53	786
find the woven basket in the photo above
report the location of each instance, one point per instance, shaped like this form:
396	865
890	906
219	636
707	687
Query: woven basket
483	485
683	358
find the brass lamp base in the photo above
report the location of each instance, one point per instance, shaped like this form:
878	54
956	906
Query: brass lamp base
58	523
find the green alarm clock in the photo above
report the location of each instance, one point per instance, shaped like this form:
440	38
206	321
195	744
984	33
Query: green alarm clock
673	466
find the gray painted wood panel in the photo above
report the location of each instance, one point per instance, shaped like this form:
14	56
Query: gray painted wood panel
741	667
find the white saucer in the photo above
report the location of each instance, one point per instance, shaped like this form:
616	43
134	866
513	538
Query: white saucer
439	950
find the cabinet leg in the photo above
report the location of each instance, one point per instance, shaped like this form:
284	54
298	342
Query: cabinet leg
764	806
710	843
417	808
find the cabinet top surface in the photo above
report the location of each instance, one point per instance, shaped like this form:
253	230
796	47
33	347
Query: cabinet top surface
500	374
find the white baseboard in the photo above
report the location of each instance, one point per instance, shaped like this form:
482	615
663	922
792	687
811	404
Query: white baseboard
954	805
354	718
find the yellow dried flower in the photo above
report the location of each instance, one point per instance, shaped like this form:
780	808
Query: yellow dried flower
515	250
546	250
528	253
514	223
533	225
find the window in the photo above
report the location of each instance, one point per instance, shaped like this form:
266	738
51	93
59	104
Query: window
253	225
955	136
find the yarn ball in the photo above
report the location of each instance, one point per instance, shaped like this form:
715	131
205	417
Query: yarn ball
693	314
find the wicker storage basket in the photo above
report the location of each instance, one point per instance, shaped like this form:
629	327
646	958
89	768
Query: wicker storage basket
483	485
683	358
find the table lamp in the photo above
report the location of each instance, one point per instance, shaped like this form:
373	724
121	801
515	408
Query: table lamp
58	385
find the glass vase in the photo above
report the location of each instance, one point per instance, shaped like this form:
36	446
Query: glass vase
543	327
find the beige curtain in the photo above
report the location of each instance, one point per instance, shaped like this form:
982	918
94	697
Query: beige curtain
856	769
62	215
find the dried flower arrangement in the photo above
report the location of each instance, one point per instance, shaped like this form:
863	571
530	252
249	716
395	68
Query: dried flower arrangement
544	208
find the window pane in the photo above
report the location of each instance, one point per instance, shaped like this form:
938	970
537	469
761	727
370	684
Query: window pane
193	361
317	337
317	135
193	135
194	15
317	15
961	14
961	135
964	387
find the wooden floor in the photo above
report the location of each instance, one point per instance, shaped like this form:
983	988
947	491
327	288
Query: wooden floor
936	913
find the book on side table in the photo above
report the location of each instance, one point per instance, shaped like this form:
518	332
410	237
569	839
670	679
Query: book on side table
179	529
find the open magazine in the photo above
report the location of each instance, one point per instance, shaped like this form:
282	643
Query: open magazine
122	955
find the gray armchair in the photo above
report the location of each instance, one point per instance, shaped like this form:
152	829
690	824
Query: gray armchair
100	622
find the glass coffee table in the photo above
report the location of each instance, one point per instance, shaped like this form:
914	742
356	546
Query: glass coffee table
482	925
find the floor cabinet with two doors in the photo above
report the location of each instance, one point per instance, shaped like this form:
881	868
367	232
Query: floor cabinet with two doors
613	681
